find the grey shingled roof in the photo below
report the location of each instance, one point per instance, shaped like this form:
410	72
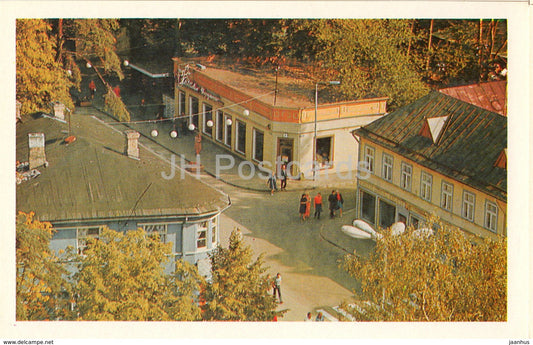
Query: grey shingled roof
91	178
467	149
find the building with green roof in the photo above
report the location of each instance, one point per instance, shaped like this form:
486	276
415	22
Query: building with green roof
436	156
85	177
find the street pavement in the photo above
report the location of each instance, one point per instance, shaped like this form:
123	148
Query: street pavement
307	254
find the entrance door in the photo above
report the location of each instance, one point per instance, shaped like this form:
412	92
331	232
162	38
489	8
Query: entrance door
285	151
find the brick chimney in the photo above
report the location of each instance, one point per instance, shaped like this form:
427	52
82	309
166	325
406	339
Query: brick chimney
37	154
132	144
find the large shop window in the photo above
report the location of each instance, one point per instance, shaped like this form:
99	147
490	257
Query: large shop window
387	214
193	111
220	125
208	120
368	207
156	230
240	140
83	236
491	216
259	139
324	152
227	133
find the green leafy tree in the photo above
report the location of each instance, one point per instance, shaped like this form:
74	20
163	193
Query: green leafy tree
370	57
239	288
40	78
121	277
42	290
445	276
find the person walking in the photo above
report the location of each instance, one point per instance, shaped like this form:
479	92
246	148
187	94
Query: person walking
272	183
277	287
92	88
340	201
332	199
303	206
318	205
283	177
307	205
309	317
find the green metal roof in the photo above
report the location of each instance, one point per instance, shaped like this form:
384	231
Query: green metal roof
92	178
469	145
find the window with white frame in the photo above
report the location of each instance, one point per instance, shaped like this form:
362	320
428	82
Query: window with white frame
446	196
240	140
84	235
369	158
368	207
469	202
155	229
201	239
406	177
208	119
259	139
491	216
426	181
386	170
193	111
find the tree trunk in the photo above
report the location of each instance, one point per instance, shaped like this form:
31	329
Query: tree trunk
429	45
411	38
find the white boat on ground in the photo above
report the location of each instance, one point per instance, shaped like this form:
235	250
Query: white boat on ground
355	232
361	225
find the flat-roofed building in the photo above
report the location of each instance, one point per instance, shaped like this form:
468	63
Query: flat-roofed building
264	117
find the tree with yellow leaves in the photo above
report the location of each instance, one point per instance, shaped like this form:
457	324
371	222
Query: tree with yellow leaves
42	291
432	276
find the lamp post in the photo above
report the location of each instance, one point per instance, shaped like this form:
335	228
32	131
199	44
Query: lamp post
331	82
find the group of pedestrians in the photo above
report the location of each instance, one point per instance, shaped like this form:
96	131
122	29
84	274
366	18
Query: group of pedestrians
275	284
273	182
335	201
309	317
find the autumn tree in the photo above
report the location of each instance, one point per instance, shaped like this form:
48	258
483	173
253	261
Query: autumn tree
444	276
121	277
52	54
91	43
40	78
238	290
42	290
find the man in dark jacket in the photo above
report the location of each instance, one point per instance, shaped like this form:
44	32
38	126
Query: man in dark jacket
332	199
